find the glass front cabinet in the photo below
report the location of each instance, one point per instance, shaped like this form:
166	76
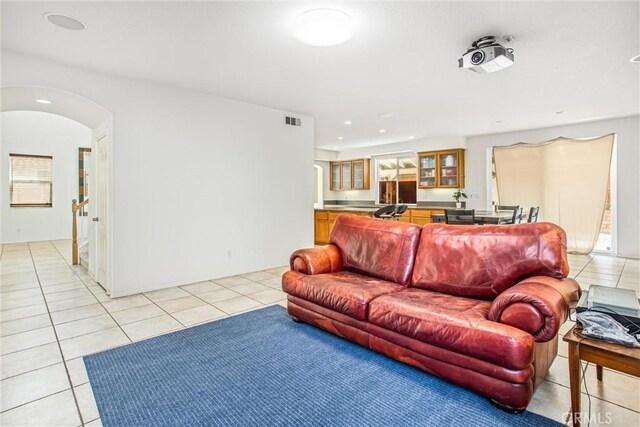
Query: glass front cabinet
335	176
345	171
350	175
441	169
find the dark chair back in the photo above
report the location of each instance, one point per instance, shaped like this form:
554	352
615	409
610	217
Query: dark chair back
519	215
459	216
385	212
400	209
533	214
515	210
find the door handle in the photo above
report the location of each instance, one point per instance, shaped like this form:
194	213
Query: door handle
96	219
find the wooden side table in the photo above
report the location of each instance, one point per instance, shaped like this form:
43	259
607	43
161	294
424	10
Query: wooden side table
601	353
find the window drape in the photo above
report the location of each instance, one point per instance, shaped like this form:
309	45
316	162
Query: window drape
567	178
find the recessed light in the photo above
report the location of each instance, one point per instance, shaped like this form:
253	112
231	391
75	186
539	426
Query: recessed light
323	27
382	131
386	115
347	122
636	59
64	21
340	138
411	137
559	112
43	101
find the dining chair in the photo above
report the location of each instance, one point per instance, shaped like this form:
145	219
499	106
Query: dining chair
533	214
510	208
460	217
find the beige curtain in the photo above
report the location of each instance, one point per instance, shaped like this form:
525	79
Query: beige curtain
567	178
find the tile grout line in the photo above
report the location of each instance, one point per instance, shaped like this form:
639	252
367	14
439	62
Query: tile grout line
98	301
64	363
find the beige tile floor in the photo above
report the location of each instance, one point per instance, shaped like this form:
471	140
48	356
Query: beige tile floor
52	314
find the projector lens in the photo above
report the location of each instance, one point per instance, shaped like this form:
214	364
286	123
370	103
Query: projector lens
477	57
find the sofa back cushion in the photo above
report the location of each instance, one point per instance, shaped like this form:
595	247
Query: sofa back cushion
482	261
377	248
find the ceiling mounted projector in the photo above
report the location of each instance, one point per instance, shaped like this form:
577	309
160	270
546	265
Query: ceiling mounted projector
487	56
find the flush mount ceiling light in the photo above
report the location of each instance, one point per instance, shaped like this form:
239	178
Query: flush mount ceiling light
43	101
323	27
411	137
347	122
340	138
64	21
636	59
382	131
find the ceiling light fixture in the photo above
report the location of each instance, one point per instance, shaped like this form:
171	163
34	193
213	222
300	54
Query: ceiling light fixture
43	101
411	137
498	121
64	21
382	131
323	27
636	59
560	112
347	122
340	138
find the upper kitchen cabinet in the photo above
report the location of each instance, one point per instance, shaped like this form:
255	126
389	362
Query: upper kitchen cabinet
335	175
441	169
345	172
360	169
350	175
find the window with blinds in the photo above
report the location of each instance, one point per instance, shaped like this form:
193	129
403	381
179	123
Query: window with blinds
30	180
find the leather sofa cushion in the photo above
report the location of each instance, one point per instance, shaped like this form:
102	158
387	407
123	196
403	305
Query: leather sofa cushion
454	323
483	261
377	248
345	292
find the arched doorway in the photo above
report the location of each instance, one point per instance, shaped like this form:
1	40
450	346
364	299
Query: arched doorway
99	120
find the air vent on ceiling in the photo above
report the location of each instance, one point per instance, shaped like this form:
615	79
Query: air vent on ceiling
293	121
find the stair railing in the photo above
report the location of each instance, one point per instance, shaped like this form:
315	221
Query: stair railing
75	207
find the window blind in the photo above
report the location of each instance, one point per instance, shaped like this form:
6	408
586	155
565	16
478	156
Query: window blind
30	180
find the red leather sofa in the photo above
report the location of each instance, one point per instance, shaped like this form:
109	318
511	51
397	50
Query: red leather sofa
479	306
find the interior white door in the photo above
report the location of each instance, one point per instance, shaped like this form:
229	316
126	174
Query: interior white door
101	212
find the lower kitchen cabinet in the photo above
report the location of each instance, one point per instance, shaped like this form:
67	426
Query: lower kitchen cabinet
324	220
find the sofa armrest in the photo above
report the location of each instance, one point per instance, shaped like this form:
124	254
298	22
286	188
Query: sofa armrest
537	305
320	260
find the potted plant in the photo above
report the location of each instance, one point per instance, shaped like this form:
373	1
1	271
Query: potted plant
459	194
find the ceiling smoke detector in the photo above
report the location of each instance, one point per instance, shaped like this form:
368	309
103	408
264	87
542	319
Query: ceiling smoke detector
487	56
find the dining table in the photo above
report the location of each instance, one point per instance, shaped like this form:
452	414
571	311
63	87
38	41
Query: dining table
483	217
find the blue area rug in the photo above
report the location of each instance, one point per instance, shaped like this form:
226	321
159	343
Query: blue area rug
263	369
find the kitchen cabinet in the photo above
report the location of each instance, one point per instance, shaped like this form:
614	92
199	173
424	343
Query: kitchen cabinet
441	169
345	173
349	175
335	175
324	220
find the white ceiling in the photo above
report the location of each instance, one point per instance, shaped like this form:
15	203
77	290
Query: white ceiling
570	56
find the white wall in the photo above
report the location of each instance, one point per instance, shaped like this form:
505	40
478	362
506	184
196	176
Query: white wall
202	186
628	172
30	132
415	146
